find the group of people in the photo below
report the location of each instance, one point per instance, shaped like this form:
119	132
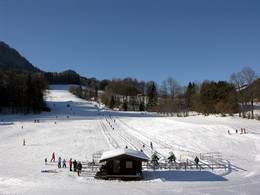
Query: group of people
242	131
77	166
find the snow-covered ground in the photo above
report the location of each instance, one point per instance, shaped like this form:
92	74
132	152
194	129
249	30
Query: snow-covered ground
76	129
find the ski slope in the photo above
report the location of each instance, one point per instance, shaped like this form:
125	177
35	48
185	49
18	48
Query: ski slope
76	129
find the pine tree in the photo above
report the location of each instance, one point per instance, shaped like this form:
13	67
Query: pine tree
112	102
152	95
172	157
154	160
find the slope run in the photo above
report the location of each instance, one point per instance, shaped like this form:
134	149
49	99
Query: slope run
201	134
70	131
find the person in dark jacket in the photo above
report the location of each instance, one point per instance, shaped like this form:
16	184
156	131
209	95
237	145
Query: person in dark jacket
70	163
196	160
79	168
59	162
75	165
64	163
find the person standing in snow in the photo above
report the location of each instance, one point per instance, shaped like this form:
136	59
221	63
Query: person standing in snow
79	168
75	164
151	144
45	160
196	160
64	163
59	162
53	157
70	164
23	142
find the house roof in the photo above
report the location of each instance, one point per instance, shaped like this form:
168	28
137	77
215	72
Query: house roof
123	151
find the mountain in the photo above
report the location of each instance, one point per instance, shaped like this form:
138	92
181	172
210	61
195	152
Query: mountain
11	59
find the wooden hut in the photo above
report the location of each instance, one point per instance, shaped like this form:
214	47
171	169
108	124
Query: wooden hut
122	164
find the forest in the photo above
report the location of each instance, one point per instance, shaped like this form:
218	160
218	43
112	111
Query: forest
22	92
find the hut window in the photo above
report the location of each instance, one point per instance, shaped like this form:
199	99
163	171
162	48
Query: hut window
129	164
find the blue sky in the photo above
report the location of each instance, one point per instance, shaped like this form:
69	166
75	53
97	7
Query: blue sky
189	40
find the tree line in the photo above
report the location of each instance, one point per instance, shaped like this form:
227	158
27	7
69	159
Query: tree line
209	97
22	92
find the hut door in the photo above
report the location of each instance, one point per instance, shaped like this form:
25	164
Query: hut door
116	166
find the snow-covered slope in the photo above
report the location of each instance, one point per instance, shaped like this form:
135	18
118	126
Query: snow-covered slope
76	129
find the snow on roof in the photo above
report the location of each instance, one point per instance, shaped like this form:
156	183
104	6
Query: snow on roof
124	151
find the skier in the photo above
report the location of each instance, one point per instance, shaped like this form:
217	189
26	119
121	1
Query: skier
126	147
59	162
196	160
70	163
79	168
75	164
45	160
151	144
64	163
53	157
236	131
23	142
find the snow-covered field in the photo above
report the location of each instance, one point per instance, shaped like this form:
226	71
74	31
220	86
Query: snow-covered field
76	129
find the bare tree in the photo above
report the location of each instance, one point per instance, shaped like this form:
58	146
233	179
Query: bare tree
243	80
172	87
249	76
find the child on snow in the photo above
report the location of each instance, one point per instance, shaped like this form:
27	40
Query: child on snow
53	157
75	165
64	163
70	163
79	168
59	162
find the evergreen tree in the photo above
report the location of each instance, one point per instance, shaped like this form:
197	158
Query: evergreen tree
152	95
154	160
112	102
141	106
172	157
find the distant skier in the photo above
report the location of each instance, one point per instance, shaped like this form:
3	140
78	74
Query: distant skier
53	157
45	160
151	144
59	162
64	163
75	164
23	142
126	147
196	160
236	131
79	168
70	164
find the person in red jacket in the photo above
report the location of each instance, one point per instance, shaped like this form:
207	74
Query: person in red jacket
53	157
70	163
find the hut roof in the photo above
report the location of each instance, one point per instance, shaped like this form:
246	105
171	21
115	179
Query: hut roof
124	152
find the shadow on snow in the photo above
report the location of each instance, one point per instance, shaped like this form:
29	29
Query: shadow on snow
183	176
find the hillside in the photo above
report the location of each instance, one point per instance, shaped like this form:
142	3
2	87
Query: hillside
86	132
10	58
